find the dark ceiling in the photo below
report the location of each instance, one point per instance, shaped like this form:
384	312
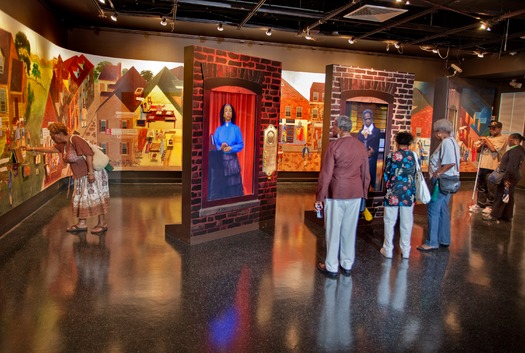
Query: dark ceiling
448	28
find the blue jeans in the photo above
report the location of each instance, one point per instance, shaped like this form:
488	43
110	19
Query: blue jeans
439	221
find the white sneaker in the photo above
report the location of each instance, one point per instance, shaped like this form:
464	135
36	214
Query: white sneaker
487	210
474	209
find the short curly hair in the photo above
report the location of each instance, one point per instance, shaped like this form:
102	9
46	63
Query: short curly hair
57	128
404	138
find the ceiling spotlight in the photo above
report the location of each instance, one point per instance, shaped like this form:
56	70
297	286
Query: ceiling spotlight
269	32
387	46
435	51
219	27
407	3
485	26
351	40
514	83
480	54
163	21
114	17
102	1
307	35
397	45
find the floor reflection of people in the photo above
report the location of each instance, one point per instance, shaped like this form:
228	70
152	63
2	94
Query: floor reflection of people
335	331
370	136
396	299
227	139
84	325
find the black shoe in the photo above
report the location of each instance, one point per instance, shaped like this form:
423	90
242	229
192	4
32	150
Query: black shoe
345	272
321	266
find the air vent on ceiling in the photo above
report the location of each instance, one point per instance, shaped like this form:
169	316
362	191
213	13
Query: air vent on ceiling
374	13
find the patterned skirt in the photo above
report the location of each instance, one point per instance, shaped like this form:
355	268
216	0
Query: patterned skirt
91	199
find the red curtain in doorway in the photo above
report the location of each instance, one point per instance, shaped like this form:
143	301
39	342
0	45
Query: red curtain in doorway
244	106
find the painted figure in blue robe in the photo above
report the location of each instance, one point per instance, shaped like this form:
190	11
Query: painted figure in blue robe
228	140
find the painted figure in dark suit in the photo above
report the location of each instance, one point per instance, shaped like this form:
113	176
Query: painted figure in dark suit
370	136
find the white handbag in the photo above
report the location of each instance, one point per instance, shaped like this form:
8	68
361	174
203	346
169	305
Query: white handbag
422	192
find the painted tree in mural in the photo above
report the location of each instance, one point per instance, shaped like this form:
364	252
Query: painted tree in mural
147	75
23	48
99	68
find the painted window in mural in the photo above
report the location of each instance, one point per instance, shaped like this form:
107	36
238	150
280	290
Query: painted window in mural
369	125
231	117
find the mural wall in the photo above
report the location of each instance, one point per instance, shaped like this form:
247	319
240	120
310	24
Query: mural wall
132	109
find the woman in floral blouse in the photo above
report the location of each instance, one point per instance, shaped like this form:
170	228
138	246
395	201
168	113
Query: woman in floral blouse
400	175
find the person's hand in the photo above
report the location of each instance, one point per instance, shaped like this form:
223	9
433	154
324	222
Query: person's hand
91	177
370	151
227	149
507	184
223	146
318	205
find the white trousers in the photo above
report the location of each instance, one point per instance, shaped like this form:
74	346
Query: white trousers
406	221
341	217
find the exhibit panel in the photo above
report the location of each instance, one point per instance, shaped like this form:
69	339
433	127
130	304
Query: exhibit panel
380	104
226	191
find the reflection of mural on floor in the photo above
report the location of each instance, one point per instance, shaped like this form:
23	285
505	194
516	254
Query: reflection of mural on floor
294	162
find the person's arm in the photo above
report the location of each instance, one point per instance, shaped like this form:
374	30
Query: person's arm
50	149
325	176
237	143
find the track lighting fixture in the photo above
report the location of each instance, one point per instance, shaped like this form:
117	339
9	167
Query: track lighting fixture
103	2
387	46
397	45
269	32
480	54
351	40
163	21
307	35
219	27
114	17
485	26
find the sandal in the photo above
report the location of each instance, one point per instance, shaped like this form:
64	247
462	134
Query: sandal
75	229
99	229
425	247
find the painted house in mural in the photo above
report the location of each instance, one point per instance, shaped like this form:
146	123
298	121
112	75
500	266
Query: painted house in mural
294	118
106	81
159	121
115	116
81	85
13	83
315	134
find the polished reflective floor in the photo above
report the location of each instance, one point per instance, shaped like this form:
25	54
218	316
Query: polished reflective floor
131	291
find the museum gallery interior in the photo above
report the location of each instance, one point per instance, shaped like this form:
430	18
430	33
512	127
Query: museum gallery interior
215	116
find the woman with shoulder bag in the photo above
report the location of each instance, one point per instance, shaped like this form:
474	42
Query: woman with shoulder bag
443	162
91	187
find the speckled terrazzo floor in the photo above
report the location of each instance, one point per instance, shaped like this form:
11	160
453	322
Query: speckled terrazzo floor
131	291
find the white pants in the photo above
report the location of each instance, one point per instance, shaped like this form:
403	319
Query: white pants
341	217
405	228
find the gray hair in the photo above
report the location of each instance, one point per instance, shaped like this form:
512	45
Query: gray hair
344	123
443	125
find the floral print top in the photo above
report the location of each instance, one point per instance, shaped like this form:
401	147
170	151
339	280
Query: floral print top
400	177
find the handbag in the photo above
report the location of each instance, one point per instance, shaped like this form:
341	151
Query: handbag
496	176
449	184
422	192
100	159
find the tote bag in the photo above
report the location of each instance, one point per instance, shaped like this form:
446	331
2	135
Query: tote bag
100	159
422	192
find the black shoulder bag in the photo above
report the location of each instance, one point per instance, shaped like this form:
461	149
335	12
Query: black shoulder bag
449	184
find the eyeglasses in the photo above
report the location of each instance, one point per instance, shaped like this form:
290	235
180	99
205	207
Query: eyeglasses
492	127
